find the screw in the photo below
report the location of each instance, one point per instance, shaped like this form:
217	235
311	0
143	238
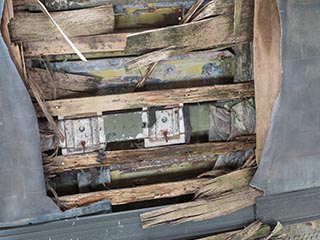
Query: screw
82	128
164	119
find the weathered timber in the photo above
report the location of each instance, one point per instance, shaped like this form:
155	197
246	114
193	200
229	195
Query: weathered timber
205	34
201	209
14	50
256	230
64	85
155	56
214	8
244	62
66	163
233	181
151	67
149	99
238	4
88	44
267	67
130	195
36	26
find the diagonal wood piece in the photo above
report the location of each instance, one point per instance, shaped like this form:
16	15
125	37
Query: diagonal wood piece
207	33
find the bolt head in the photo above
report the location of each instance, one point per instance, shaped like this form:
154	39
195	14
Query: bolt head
164	119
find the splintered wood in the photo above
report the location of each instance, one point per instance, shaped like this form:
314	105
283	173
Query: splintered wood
203	34
201	209
227	194
85	22
149	99
67	163
136	194
255	230
88	44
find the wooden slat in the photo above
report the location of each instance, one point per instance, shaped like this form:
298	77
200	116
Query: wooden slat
201	209
232	181
136	194
214	8
149	99
227	193
88	44
267	67
66	163
14	50
36	26
199	35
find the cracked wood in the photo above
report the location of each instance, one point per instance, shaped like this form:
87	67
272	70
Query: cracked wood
149	99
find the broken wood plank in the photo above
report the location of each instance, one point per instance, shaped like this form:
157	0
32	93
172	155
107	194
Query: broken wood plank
66	163
149	99
207	33
256	230
267	67
14	50
130	195
201	209
226	183
87	45
238	5
65	85
153	57
36	26
214	8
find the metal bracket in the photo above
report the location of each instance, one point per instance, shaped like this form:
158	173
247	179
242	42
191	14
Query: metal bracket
163	126
82	133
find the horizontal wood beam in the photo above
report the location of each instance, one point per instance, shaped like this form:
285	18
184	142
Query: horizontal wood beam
65	163
27	26
148	99
136	194
88	44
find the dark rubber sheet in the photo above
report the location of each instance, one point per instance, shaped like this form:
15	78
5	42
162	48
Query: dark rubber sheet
291	156
22	187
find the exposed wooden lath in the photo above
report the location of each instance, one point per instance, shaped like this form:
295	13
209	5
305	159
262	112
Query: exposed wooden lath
149	99
37	27
66	163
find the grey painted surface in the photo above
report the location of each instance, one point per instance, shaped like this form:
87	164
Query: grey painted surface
126	225
22	187
291	156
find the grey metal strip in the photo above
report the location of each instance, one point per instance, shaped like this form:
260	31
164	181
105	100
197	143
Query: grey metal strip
126	225
289	208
